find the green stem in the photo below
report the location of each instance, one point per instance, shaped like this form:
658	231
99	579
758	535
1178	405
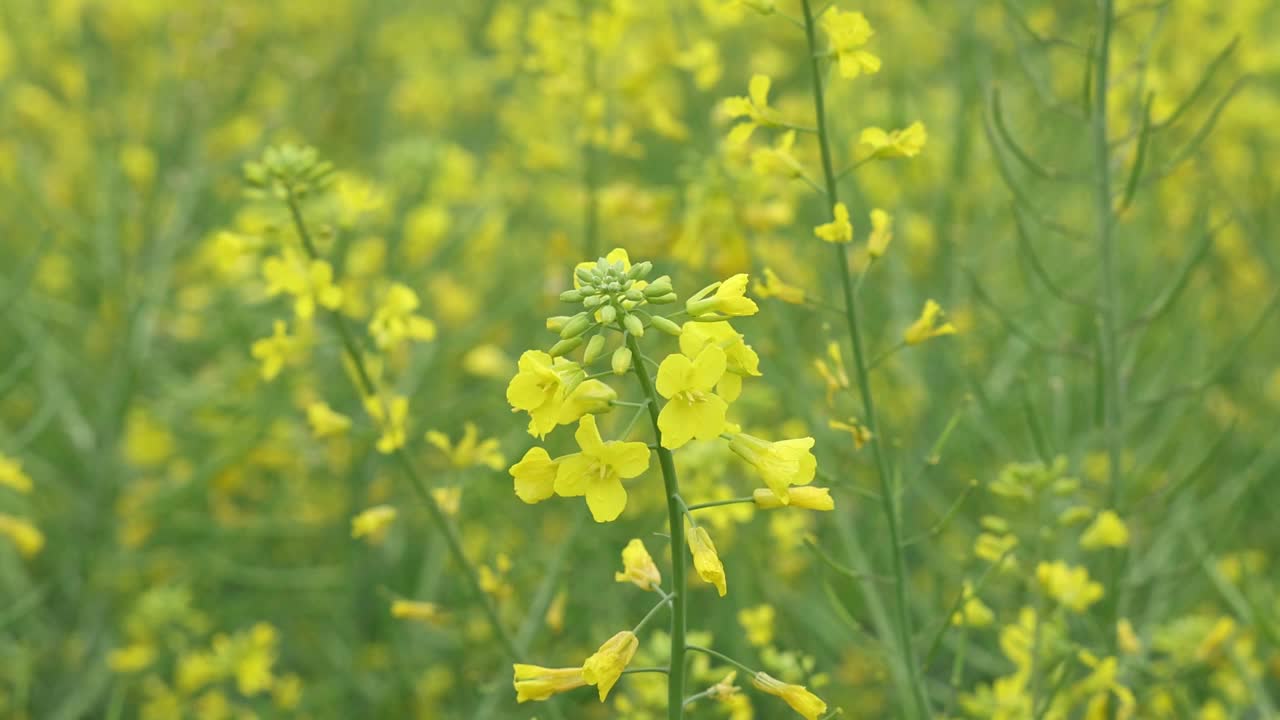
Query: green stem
718	503
675	521
1112	388
652	611
902	615
721	656
452	540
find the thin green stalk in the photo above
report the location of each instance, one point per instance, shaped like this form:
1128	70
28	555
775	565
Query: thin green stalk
721	656
1111	384
675	521
718	503
452	540
902	615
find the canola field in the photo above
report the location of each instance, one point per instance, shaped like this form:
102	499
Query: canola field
639	359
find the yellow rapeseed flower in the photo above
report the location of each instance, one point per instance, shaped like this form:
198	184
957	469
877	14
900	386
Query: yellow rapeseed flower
755	108
729	299
638	567
309	282
605	666
757	623
25	536
554	392
926	326
805	497
598	471
373	523
1068	585
538	683
1106	531
391	414
808	705
774	287
396	322
535	476
874	142
693	410
12	476
276	351
881	233
740	359
416	610
847	33
131	658
780	464
839	230
706	561
325	421
470	451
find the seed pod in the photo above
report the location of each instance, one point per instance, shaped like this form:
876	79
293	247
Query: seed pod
608	314
621	361
667	326
565	346
595	346
577	325
633	325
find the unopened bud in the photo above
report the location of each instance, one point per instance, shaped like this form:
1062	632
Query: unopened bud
621	361
577	325
585	275
658	287
639	270
556	324
595	301
665	325
633	325
664	299
571	296
608	314
595	346
565	346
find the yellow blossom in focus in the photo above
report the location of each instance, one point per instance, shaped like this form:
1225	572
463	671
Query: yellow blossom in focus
839	230
1106	531
26	537
729	299
808	705
554	392
325	421
12	476
706	561
847	33
604	667
805	497
692	410
926	326
780	464
372	524
740	359
757	623
535	476
874	142
396	322
774	287
599	469
538	683
1068	585
470	451
638	567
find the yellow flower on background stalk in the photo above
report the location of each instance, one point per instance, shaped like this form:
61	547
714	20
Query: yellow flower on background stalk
847	33
905	143
706	561
693	410
774	287
131	658
554	392
373	523
535	476
859	432
470	451
729	299
538	683
740	359
309	282
881	234
638	567
755	108
604	667
12	476
598	471
777	160
926	327
757	623
417	610
276	351
1068	585
973	612
780	464
391	414
805	497
808	705
1106	531
25	536
325	421
396	322
839	230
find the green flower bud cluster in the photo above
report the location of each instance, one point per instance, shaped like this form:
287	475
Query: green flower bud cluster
287	170
612	294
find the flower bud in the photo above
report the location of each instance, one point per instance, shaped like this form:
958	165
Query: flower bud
664	299
571	296
621	361
556	324
595	346
586	275
577	325
565	346
639	270
633	325
658	287
634	295
665	325
608	314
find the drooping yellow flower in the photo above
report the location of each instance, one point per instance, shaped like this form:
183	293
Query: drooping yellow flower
638	567
24	535
805	497
396	322
309	282
554	392
740	359
847	33
729	299
706	561
693	410
757	623
774	287
926	326
12	476
859	432
373	523
881	233
598	471
604	667
470	451
808	705
1068	585
839	230
755	108
276	351
905	143
417	610
325	421
391	414
538	683
1106	531
780	464
535	476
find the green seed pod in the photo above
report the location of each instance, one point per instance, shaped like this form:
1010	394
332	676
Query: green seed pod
571	296
665	325
608	314
639	270
664	299
577	325
621	361
556	324
633	325
595	346
565	346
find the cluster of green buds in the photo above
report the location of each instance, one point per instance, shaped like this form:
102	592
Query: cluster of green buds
613	294
287	170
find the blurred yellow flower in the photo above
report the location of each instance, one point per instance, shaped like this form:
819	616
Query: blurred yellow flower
847	33
875	142
309	282
538	683
755	108
881	233
757	623
470	451
1106	531
926	326
774	287
325	421
396	322
839	230
12	476
373	523
805	497
391	414
25	536
1068	585
276	351
416	610
131	658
